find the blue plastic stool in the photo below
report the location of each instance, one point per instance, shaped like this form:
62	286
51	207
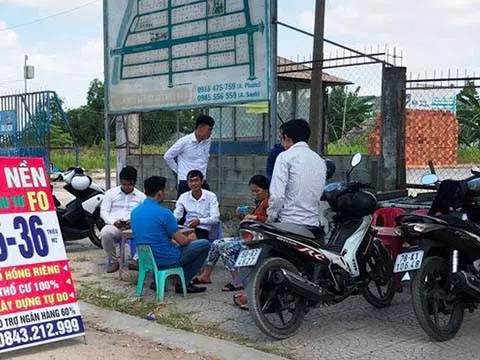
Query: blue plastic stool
146	263
133	249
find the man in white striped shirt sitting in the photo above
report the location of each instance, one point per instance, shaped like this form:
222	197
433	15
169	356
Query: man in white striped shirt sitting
116	208
191	152
200	205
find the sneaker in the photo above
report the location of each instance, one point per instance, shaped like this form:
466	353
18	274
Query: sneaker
113	267
191	289
133	265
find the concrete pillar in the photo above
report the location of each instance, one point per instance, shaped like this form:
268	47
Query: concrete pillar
393	167
127	136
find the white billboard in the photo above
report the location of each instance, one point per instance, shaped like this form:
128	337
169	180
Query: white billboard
172	54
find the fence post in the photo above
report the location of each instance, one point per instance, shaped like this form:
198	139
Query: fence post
273	71
317	141
393	117
220	158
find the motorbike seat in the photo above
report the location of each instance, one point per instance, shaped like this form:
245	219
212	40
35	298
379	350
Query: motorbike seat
458	222
313	233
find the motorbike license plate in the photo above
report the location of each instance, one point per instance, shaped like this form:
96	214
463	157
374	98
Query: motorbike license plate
408	261
248	258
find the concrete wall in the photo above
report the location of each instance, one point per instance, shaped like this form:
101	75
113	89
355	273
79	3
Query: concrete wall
232	187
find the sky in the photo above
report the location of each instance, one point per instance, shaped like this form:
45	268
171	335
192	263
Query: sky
67	49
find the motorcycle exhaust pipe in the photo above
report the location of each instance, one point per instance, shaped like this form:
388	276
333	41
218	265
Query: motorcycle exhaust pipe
466	284
298	285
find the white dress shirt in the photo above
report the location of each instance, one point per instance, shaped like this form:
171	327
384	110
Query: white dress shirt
297	185
117	205
189	154
204	209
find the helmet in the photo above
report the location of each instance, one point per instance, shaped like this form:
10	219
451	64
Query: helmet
356	204
81	182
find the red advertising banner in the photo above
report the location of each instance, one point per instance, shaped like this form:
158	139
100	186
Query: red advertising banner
37	296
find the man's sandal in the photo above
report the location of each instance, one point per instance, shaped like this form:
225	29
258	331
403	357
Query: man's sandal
231	287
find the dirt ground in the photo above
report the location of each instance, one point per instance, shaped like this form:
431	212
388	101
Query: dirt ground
103	344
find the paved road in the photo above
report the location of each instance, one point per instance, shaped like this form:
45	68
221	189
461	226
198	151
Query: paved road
350	330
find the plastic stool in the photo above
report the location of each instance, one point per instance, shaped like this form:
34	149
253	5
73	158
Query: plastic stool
146	263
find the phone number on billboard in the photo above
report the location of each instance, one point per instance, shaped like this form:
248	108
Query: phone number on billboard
40	332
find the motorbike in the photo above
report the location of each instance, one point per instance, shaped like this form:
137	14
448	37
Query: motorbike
80	218
443	256
295	268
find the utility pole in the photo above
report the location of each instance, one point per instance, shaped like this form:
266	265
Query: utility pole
25	72
28	72
317	142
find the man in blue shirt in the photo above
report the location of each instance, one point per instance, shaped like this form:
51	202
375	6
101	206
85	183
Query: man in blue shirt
272	158
155	225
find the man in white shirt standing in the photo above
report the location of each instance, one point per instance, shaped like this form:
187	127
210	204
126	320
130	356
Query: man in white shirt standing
200	206
298	178
115	211
191	152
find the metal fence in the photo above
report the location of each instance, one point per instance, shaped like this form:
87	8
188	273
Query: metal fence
443	125
352	83
239	129
32	124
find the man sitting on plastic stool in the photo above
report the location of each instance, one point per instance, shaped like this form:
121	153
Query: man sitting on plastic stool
115	211
155	225
201	207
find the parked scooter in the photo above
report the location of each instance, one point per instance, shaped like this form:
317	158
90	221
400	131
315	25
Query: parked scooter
444	256
294	269
80	218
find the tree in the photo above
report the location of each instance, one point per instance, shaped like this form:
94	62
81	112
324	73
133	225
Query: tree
468	115
158	127
347	110
87	122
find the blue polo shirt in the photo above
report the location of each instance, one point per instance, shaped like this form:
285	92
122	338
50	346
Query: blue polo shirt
154	225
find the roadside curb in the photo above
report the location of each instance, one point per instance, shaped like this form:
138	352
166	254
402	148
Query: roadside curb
173	337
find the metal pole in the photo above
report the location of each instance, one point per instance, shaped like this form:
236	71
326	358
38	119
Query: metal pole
316	86
25	72
273	71
220	158
105	101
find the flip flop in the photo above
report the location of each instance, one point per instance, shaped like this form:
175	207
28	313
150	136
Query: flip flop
239	304
231	287
237	295
195	281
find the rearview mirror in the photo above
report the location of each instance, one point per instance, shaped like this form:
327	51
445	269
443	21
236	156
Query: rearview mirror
429	179
356	159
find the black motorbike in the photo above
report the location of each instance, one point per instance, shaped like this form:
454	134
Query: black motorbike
295	268
80	218
444	256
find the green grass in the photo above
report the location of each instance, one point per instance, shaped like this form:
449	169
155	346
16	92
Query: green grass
339	148
165	315
91	158
469	155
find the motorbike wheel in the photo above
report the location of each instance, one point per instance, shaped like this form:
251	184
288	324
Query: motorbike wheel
270	304
430	296
94	234
380	276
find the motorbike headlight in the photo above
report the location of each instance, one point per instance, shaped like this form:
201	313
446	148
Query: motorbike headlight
249	235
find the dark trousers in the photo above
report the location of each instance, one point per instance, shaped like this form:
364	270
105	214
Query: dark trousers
183	187
192	258
202	233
